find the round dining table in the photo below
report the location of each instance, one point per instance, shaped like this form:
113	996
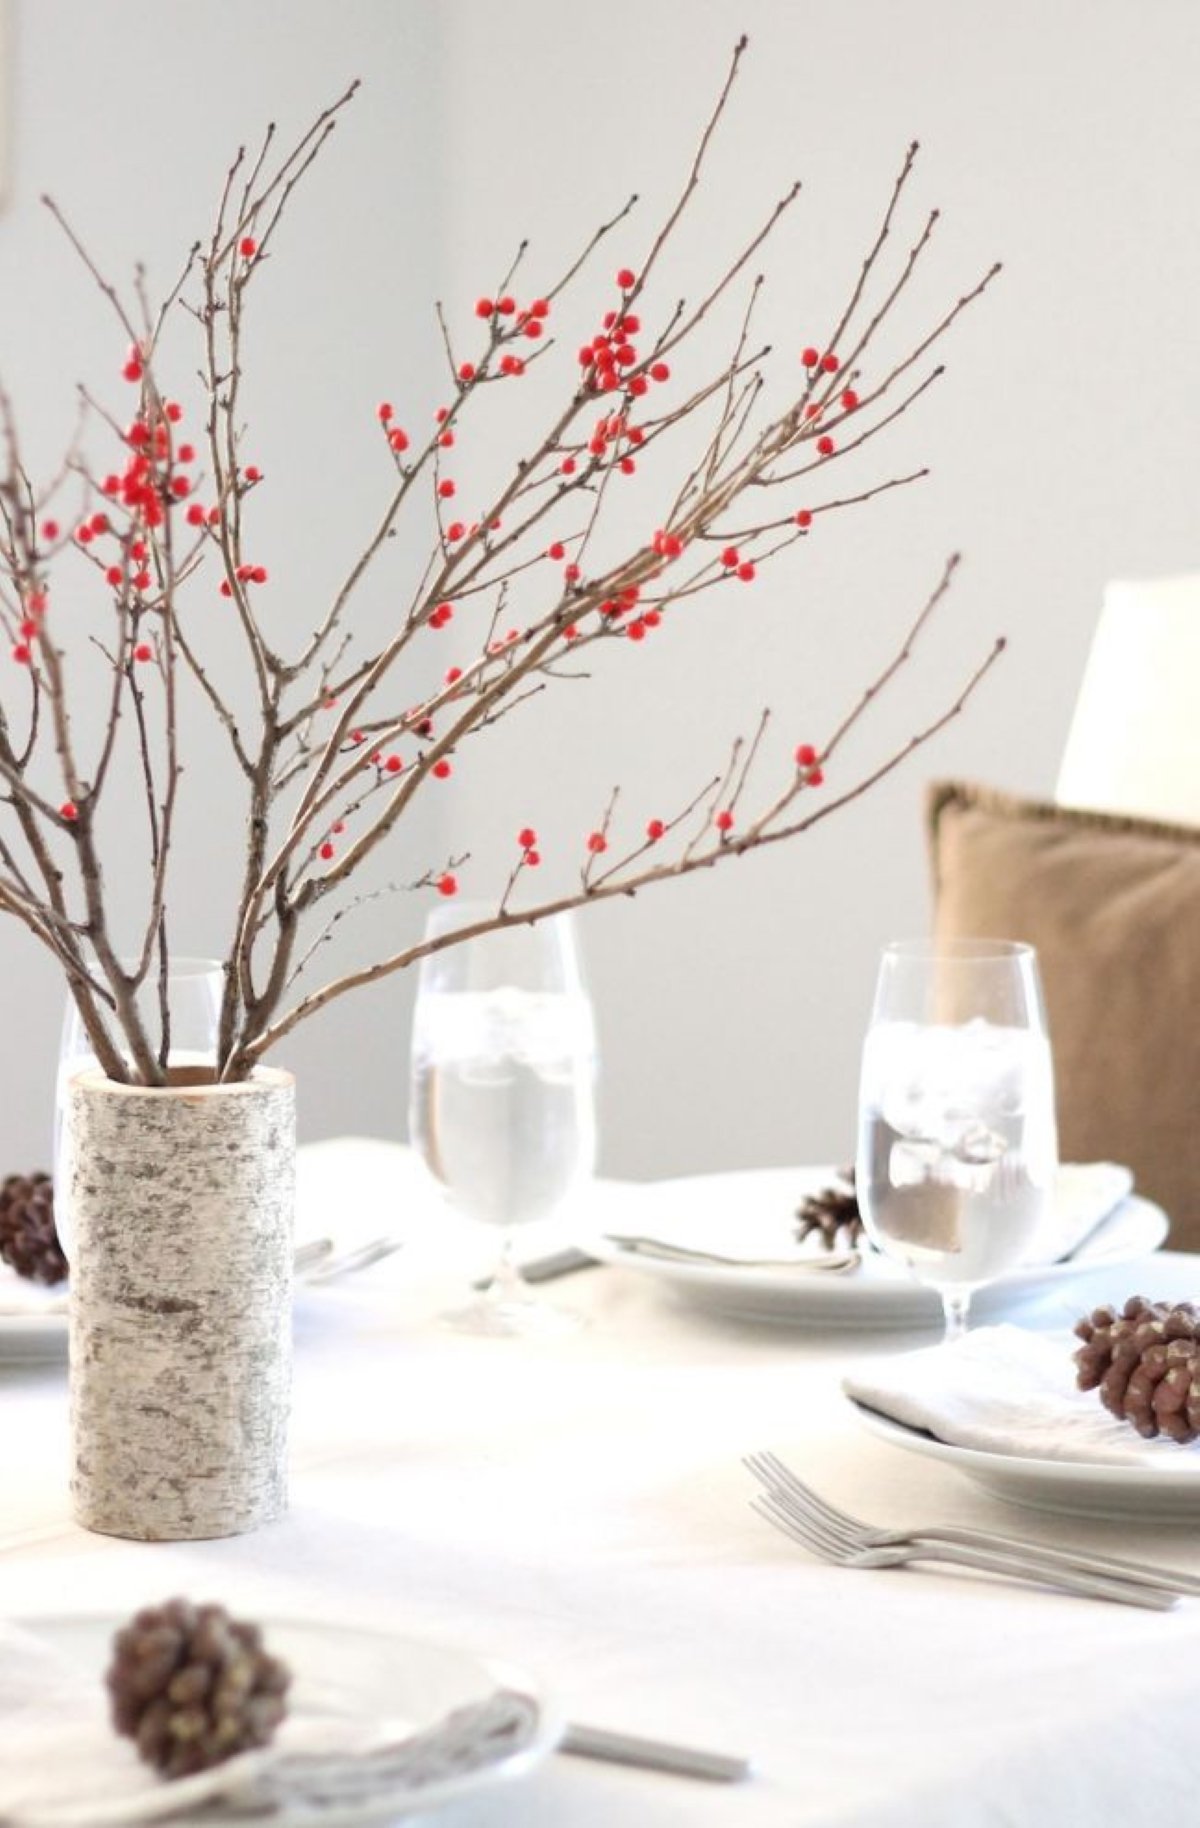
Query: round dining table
576	1505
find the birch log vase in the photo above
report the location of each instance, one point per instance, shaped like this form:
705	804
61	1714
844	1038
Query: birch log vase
181	1279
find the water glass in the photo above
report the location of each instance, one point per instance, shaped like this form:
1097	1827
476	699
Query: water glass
194	990
957	1144
503	1088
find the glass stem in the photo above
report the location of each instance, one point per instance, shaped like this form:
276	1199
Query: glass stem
955	1305
507	1283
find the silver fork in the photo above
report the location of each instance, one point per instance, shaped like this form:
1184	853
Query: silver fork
856	1532
780	1508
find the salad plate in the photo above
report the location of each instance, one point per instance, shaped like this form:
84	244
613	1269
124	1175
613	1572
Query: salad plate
748	1218
1166	1490
379	1727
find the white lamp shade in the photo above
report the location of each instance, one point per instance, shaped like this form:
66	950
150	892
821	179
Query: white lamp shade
1134	742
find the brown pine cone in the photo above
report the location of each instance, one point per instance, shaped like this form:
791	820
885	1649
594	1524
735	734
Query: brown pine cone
1145	1361
28	1238
191	1686
832	1210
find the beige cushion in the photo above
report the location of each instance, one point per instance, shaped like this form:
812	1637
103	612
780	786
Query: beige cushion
1113	906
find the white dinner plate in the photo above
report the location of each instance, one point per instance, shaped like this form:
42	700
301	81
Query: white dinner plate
1077	1487
344	1678
752	1214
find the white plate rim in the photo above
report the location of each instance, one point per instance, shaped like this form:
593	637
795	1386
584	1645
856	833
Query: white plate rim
499	1674
755	1293
1099	1489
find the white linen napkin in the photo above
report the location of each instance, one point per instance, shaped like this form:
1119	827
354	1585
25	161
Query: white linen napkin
1004	1390
1084	1195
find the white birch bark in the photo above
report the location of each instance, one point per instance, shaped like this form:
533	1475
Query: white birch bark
181	1276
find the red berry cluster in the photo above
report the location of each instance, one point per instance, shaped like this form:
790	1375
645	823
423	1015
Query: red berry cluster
527	839
610	362
807	761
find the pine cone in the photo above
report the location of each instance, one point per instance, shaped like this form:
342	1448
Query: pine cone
28	1239
832	1210
1145	1361
192	1686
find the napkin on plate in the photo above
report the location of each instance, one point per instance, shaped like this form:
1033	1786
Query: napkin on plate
1004	1390
1085	1193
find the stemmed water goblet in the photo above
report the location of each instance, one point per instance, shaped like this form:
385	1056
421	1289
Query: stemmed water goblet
503	1089
194	989
957	1144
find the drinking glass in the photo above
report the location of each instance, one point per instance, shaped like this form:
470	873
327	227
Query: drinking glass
957	1146
194	990
503	1089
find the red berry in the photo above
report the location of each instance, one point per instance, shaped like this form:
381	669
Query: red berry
21	653
186	453
804	517
113	575
540	308
393	764
724	821
226	588
466	372
195	515
597	842
68	811
830	363
398	439
532	858
484	307
849	399
655	830
806	755
327	850
384	411
556	551
258	575
810	357
446	488
659	371
506	305
527	838
50	530
180	486
730	557
825	445
248	246
746	572
532	327
567	466
441	769
139	551
815	777
627	466
626	277
252	473
453	675
141	580
638	386
455	531
636	630
143	651
447	885
132	371
571	573
174	411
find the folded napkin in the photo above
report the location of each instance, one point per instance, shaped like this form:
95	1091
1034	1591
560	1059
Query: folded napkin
1085	1193
1004	1390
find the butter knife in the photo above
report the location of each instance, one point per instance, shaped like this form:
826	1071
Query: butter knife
833	1261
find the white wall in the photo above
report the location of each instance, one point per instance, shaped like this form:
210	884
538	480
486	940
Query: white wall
1062	441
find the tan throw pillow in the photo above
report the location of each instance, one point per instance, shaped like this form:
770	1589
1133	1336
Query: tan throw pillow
1113	906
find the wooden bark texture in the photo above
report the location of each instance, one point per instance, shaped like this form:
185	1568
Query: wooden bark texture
181	1278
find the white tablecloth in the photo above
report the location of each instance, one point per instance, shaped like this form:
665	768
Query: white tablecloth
578	1506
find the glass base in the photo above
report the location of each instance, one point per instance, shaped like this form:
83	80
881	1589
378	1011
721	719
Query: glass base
508	1315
